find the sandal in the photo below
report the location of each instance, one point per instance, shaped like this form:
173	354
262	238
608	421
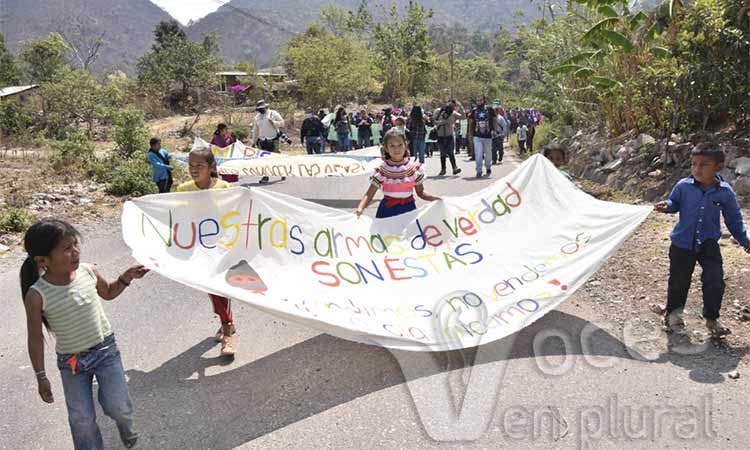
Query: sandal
716	328
220	334
674	323
227	346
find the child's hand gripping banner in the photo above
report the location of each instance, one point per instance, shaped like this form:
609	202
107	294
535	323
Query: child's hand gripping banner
456	273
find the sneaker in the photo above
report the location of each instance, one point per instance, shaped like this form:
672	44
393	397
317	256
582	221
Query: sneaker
264	180
442	173
489	172
479	174
674	323
456	171
227	346
716	328
130	442
220	334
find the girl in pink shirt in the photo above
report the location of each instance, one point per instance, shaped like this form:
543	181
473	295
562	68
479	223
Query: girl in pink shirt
398	176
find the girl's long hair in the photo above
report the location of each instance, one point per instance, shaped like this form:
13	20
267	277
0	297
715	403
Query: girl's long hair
40	239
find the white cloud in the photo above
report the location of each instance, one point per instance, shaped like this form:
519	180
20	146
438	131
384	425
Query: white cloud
186	10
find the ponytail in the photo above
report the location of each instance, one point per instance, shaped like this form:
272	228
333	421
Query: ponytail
29	275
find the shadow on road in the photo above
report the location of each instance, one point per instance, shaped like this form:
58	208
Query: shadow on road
180	407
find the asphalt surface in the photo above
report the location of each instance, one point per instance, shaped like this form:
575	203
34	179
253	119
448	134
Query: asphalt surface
291	387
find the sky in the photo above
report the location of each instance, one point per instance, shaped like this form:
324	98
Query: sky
186	10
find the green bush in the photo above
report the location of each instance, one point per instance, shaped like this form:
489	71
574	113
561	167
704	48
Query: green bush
131	133
131	177
75	151
15	220
241	133
14	119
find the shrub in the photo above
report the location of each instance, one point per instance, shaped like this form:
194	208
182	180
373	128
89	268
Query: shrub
241	133
131	177
14	119
74	151
15	220
131	133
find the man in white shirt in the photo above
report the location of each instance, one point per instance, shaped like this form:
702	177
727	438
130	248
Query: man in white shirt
266	128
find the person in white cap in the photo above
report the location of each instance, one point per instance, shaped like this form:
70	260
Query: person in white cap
266	130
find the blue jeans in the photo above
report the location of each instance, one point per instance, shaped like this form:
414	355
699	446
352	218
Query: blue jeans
483	151
345	143
364	138
314	145
419	146
102	361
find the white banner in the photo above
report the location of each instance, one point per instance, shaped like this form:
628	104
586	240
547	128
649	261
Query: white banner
453	274
238	159
356	162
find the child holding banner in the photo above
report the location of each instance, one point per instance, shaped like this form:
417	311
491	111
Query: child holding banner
223	138
202	165
67	300
700	199
558	156
398	176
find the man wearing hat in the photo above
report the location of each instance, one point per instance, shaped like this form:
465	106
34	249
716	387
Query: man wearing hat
266	129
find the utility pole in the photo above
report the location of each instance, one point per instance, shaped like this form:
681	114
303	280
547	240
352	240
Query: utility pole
450	59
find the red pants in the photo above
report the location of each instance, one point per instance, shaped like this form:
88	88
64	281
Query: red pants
222	308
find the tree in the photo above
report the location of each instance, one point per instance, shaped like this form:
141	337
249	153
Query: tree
330	70
44	57
166	33
177	60
84	40
131	133
76	96
9	73
405	52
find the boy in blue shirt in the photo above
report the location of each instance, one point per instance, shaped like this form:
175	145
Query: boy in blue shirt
699	199
160	168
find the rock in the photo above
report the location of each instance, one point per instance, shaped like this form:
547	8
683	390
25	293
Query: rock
624	153
744	317
655	174
612	166
728	174
4	249
733	374
742	185
579	134
676	137
742	166
644	139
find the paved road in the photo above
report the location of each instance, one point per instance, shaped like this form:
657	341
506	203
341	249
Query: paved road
292	387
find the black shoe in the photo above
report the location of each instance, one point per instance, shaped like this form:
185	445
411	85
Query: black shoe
456	171
264	180
489	172
442	173
283	178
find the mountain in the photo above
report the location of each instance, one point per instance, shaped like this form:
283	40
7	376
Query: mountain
249	31
128	25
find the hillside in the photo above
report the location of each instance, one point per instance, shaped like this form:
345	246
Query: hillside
249	31
128	25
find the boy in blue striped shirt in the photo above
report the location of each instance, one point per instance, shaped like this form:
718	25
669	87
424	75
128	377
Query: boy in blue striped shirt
700	199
